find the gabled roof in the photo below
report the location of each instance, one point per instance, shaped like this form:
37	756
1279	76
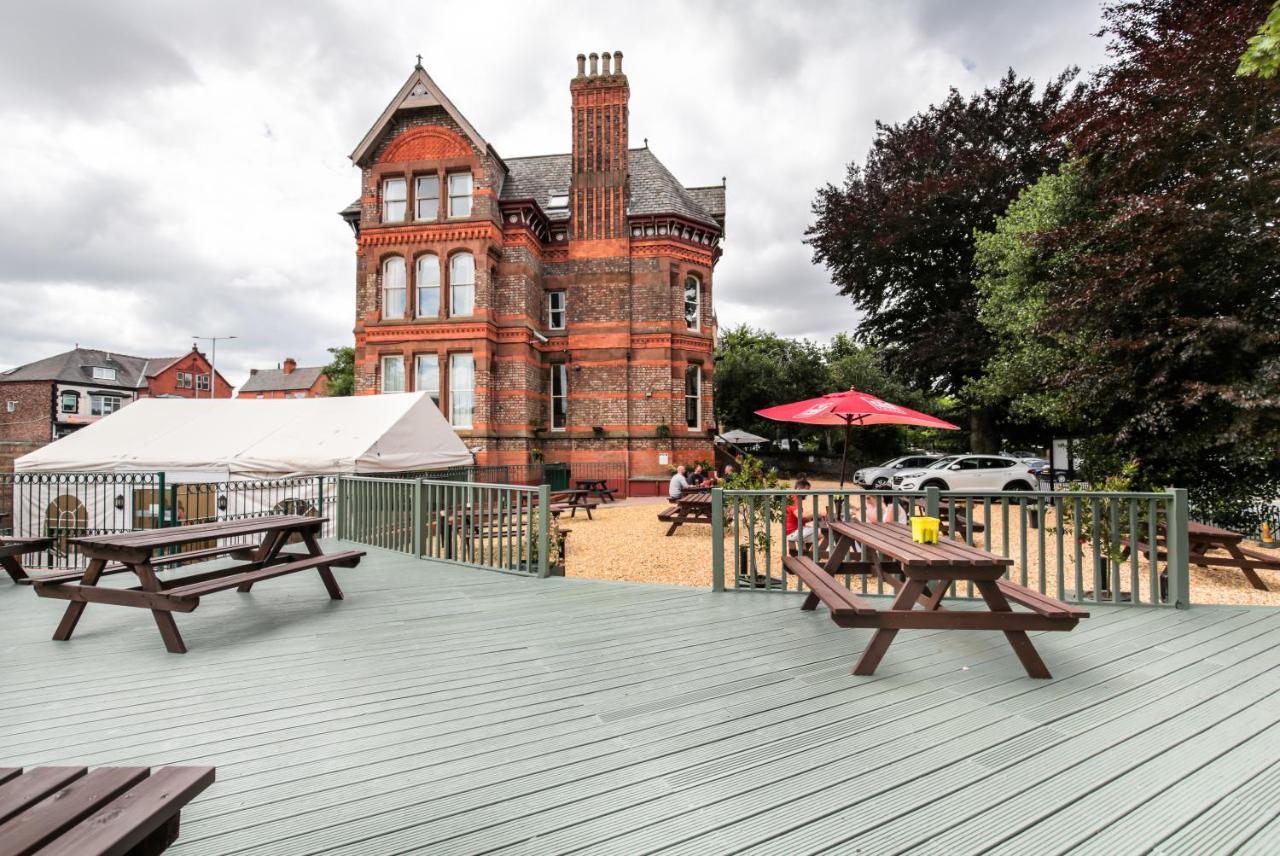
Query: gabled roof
418	91
275	380
76	366
652	188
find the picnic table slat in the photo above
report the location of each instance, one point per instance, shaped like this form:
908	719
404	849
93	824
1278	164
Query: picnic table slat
42	822
346	559
176	535
35	785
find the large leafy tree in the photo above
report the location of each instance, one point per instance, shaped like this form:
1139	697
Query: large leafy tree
897	237
341	371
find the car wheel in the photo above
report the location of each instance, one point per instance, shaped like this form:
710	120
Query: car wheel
938	483
1017	485
1060	478
880	483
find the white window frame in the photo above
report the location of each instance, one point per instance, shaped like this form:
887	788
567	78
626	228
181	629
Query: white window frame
62	401
104	373
390	360
387	263
464	288
183	380
11	406
454	213
202	383
432	386
696	395
431	262
418	198
98	404
552	310
697	302
561	371
388	200
558	202
457	418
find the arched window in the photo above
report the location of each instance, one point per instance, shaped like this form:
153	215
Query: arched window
427	277
393	288
462	284
692	302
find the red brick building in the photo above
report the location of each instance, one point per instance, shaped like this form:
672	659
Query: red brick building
287	381
48	399
559	304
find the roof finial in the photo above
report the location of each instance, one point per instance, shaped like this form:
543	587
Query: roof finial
419	63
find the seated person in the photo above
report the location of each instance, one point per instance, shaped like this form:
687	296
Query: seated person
795	516
679	484
713	479
698	477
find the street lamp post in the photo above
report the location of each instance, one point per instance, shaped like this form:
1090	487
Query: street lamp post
213	359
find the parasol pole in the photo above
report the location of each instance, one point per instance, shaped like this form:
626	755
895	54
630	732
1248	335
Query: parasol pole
844	456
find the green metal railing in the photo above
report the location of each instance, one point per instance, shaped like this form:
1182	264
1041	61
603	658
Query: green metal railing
1075	546
493	526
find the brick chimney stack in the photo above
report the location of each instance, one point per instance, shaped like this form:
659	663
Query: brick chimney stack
598	182
289	365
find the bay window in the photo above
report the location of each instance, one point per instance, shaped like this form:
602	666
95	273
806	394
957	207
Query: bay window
462	284
393	373
393	288
427	277
462	390
393	200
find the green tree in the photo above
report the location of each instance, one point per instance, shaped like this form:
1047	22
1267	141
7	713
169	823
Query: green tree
341	371
756	369
1262	58
897	237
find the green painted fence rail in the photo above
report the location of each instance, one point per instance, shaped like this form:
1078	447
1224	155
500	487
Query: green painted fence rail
497	527
1071	545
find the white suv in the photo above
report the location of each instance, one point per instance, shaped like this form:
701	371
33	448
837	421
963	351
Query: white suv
970	472
879	477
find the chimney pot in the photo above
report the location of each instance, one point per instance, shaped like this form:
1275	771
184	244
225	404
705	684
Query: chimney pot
289	365
604	63
617	62
252	372
582	65
595	69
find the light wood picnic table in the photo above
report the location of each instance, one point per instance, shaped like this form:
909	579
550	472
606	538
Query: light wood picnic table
921	575
137	552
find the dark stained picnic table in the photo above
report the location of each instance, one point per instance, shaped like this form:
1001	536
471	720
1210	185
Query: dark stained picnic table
571	501
13	549
693	506
921	575
73	811
1203	538
137	552
599	487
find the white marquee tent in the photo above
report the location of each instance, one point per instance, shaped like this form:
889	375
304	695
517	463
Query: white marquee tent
235	439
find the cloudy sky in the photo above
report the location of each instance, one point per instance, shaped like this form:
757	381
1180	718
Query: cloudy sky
172	168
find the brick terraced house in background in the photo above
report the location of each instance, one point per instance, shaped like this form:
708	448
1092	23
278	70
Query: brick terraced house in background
50	398
287	381
559	304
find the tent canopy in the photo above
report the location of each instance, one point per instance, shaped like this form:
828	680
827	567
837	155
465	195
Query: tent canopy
213	439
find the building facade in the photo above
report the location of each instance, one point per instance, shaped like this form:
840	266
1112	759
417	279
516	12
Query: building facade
556	306
287	381
50	398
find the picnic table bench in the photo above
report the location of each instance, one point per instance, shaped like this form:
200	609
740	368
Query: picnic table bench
921	575
1201	539
598	487
110	810
13	549
571	501
136	552
694	506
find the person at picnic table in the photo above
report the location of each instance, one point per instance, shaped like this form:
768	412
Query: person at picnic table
697	478
679	484
796	516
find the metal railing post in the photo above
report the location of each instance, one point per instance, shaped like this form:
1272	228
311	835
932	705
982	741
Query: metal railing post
340	513
717	539
418	487
162	517
1179	559
932	501
544	524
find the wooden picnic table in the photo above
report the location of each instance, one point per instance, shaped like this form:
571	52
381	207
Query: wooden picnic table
13	549
571	501
693	506
1203	538
110	810
599	487
921	575
136	552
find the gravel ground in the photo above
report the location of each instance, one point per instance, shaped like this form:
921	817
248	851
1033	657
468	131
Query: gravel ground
626	541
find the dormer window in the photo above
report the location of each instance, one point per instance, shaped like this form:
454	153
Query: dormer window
103	373
460	194
558	202
393	200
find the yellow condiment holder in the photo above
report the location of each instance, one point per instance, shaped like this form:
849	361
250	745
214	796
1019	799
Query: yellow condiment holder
924	530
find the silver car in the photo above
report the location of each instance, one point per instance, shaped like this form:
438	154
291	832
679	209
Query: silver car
879	478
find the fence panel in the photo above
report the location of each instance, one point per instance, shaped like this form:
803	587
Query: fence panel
1075	546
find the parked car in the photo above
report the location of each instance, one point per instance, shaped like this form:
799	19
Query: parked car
880	477
970	472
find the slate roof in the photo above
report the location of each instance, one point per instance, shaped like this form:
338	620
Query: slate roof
75	366
275	380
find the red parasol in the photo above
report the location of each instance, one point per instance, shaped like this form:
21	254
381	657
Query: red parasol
849	409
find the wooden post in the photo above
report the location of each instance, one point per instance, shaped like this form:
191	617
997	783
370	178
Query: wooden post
717	539
544	524
417	518
1179	550
932	501
340	528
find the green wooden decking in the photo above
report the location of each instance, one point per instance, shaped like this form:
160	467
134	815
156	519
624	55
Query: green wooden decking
445	710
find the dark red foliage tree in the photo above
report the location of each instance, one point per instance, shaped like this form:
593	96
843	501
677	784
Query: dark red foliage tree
898	236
